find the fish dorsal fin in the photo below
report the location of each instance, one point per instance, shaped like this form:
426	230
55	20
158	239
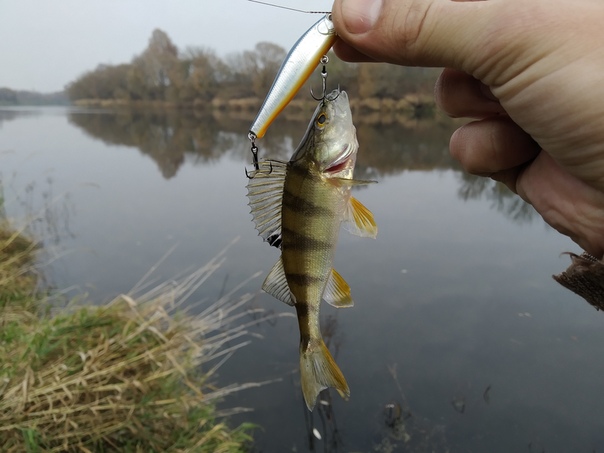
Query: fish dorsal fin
276	285
265	194
337	291
359	220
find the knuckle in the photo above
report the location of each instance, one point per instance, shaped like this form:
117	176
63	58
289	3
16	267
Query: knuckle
410	26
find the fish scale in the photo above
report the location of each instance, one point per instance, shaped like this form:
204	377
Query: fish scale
309	251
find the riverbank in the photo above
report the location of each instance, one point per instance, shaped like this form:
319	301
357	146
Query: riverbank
410	104
129	376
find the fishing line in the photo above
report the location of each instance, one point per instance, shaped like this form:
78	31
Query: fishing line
289	8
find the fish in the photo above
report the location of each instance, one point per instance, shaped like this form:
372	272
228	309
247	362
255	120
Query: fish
299	63
299	206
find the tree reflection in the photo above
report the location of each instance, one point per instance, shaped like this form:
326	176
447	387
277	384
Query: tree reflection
388	144
166	137
7	115
406	430
10	115
502	199
404	144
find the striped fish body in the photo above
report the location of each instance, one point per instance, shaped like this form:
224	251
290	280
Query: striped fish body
312	211
299	207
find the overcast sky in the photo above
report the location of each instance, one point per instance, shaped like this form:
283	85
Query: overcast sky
44	44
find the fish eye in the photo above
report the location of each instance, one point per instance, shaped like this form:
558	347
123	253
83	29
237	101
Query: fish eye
321	119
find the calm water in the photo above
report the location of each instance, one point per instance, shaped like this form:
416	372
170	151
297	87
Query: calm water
459	339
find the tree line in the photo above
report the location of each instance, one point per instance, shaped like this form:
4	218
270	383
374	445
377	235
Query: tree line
23	97
198	75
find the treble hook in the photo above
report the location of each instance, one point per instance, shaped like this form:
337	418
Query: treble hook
324	60
252	175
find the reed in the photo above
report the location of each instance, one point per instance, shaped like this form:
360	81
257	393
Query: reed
135	375
17	274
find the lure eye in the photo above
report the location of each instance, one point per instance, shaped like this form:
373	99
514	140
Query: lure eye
321	119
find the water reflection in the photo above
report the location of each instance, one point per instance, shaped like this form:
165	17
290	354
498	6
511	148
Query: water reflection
396	426
321	424
405	430
415	145
166	137
11	114
500	197
388	147
7	115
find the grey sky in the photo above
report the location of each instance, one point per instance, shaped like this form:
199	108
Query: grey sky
44	44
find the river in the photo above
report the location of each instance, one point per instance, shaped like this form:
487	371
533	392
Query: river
459	339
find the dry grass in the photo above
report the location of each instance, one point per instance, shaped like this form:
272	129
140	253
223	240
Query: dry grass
17	278
129	376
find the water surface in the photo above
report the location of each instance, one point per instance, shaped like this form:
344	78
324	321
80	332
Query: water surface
459	339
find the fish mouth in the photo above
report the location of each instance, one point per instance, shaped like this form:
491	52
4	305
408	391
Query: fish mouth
338	167
335	94
341	163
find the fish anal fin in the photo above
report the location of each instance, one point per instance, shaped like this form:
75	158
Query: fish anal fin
359	219
337	291
318	371
276	285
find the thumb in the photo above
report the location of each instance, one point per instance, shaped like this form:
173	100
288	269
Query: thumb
415	32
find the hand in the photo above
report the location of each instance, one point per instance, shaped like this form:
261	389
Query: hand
528	72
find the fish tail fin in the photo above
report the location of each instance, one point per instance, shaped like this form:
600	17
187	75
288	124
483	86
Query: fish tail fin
318	371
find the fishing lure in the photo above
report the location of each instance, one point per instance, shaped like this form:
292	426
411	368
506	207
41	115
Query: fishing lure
299	63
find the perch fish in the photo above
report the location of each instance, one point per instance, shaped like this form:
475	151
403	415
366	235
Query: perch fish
299	207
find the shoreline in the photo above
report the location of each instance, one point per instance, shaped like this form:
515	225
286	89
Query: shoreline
409	103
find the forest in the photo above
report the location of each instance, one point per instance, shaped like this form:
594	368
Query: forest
23	97
198	77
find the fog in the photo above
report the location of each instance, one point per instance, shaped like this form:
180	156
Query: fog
47	44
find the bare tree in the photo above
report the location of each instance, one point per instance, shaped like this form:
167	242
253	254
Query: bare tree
156	63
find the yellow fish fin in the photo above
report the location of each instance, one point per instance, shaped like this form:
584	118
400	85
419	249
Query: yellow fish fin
265	192
318	371
359	220
276	285
337	291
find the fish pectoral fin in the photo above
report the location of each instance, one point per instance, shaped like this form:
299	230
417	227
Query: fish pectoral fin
318	371
359	220
337	291
276	285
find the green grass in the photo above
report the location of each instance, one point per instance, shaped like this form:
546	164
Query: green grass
135	375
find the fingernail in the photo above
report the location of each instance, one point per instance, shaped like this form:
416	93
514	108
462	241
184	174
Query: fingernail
360	15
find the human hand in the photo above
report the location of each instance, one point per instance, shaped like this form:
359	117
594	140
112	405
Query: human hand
529	73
